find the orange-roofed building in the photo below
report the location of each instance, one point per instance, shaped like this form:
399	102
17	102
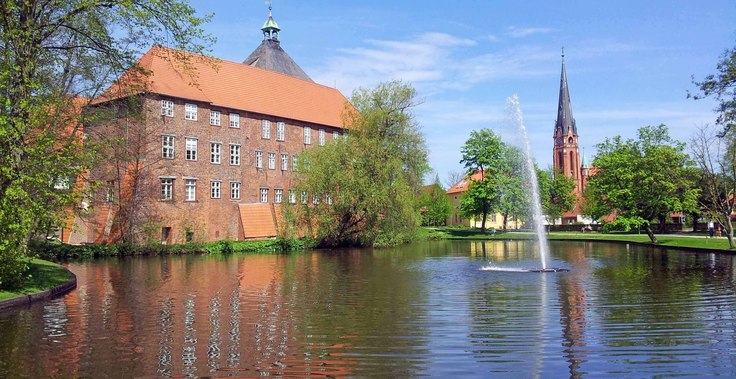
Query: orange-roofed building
455	194
219	141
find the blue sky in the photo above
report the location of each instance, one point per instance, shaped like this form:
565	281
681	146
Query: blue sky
629	63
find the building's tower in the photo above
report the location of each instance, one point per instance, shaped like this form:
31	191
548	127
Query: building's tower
566	155
270	56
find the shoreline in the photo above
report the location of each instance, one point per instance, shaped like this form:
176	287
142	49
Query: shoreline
25	300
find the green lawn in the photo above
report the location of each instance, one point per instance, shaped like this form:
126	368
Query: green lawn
668	240
44	275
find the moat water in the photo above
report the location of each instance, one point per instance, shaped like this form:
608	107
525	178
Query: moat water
428	309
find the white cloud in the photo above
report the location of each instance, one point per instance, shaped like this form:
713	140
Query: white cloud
525	32
431	61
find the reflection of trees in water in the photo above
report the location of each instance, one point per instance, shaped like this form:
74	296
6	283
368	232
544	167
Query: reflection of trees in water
360	300
659	304
368	313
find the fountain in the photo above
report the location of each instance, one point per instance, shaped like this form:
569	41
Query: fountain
538	218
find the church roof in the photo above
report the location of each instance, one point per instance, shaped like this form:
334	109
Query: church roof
230	85
270	56
565	120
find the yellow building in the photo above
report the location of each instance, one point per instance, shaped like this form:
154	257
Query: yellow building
493	220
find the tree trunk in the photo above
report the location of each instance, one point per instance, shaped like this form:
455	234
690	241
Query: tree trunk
695	217
505	221
483	223
662	224
729	232
650	233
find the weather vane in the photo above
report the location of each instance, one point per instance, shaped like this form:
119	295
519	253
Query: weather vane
268	2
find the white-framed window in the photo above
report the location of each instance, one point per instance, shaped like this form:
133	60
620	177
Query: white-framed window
278	195
235	190
304	197
292	197
190	153
215	152
315	199
264	195
259	159
190	111
167	108
328	199
284	162
167	188
234	155
215	118
307	135
294	162
321	135
335	135
110	192
234	120
167	147
190	189
271	161
280	131
266	129
215	187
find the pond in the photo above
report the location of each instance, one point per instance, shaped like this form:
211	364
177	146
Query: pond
427	309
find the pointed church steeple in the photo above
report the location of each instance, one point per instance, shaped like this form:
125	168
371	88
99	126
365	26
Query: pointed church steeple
566	154
565	120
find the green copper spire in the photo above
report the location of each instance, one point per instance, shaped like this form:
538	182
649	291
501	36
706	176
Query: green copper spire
270	27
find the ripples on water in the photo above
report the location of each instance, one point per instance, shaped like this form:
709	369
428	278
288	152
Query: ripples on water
443	309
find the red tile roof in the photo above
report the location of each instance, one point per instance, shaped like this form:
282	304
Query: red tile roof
230	85
463	184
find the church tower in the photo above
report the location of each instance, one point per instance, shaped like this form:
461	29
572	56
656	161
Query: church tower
566	155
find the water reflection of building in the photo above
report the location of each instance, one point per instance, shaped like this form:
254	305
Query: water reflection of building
573	320
501	250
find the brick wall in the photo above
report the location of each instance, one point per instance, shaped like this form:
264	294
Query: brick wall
206	218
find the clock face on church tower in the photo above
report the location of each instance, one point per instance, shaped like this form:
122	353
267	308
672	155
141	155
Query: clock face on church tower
560	140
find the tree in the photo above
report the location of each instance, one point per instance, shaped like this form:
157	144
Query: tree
716	158
54	55
556	192
515	196
434	204
641	180
722	86
454	177
483	154
365	187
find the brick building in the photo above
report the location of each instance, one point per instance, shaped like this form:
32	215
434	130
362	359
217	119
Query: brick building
566	153
206	147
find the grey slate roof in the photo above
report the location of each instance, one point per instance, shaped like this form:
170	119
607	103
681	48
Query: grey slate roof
565	121
270	56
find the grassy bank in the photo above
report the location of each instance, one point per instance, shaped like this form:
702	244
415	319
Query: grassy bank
690	241
43	275
59	251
